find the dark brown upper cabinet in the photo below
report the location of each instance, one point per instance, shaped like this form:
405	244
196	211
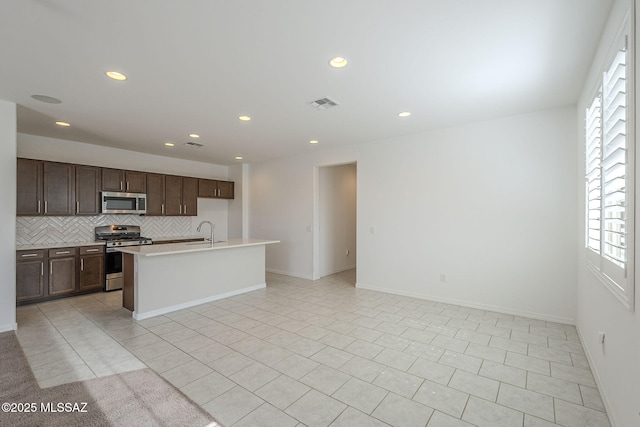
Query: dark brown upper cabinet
51	188
123	181
135	182
112	180
215	189
58	189
88	184
155	194
181	196
190	196
29	196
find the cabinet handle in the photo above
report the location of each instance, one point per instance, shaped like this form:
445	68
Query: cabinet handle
180	209
81	264
50	269
120	185
162	209
93	250
127	185
42	268
185	209
62	252
45	206
28	255
77	207
38	206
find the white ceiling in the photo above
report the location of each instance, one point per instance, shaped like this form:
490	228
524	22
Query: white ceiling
194	66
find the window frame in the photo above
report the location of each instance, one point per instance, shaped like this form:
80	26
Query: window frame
620	283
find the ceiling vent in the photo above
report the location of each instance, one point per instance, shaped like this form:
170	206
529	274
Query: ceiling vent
323	103
193	144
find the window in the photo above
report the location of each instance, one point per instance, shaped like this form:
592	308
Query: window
609	148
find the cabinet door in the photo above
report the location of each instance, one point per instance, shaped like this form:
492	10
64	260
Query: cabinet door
29	197
62	275
88	184
173	195
58	188
190	196
29	279
206	188
155	194
112	180
225	190
135	182
91	272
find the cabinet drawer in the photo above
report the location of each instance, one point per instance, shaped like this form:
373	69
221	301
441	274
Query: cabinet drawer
91	250
27	255
60	252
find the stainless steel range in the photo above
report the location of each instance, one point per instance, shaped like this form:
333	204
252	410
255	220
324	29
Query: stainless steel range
117	236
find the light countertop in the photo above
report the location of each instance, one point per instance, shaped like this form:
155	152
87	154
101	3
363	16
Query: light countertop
180	248
37	246
168	238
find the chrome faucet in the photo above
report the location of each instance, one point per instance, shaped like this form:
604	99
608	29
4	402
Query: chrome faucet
210	225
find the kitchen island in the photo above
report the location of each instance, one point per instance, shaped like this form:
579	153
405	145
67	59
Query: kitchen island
159	279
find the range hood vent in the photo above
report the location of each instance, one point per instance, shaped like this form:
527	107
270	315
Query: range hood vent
323	103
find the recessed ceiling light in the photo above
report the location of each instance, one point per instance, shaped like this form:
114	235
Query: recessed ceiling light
47	99
115	75
169	144
244	118
404	114
63	124
238	157
313	141
338	62
194	135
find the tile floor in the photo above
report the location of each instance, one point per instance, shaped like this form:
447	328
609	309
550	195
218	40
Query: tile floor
325	353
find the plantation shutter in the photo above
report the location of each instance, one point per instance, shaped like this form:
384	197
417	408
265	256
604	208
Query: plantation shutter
614	165
593	178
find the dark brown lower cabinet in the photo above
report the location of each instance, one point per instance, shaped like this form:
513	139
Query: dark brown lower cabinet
91	276
43	275
62	271
30	273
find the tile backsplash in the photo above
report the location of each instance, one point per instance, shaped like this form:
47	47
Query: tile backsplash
32	230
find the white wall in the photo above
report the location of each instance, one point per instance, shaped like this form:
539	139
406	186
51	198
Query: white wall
485	204
238	214
337	218
8	216
616	364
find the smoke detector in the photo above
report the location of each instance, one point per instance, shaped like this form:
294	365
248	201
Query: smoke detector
323	103
193	144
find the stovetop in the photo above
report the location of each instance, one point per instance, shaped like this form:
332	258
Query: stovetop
121	235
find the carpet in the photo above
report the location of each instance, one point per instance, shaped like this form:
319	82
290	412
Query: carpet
136	398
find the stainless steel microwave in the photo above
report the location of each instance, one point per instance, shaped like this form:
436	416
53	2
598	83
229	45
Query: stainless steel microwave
124	203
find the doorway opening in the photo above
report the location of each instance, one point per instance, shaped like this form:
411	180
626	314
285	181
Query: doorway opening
335	221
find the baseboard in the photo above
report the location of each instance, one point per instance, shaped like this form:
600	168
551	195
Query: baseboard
159	312
340	270
487	307
596	377
9	327
289	273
